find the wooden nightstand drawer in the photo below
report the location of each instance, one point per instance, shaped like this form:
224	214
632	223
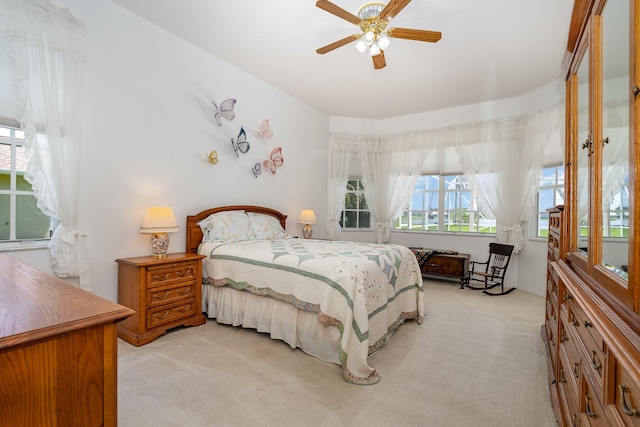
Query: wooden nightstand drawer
168	274
164	292
169	313
170	294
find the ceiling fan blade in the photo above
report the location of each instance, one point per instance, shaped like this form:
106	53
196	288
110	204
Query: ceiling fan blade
338	11
337	44
392	9
379	61
410	34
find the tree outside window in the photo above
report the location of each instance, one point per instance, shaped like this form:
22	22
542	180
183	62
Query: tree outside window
356	211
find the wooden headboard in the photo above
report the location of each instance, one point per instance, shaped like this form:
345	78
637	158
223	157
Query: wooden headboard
194	232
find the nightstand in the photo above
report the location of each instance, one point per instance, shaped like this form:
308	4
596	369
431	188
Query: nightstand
164	292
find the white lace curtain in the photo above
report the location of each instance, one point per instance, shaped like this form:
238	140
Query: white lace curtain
338	176
615	154
47	55
502	158
503	163
389	178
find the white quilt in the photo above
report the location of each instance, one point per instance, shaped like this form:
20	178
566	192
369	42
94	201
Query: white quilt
366	290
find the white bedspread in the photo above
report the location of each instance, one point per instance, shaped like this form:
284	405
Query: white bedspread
366	290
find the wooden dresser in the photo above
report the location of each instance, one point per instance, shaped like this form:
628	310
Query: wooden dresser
592	320
58	351
164	292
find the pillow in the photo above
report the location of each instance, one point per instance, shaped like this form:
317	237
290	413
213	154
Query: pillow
230	226
266	227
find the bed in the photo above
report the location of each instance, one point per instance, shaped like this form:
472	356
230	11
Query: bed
338	301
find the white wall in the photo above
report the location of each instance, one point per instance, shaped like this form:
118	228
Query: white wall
147	129
148	126
527	270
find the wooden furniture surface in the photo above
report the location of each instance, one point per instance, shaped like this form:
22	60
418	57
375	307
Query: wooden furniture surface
194	232
164	292
449	266
58	351
592	317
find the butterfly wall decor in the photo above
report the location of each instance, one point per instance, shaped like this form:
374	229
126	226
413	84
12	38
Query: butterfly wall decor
213	157
241	145
225	110
275	160
265	129
256	169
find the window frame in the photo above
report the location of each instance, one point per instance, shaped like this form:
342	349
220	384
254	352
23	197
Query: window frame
559	172
13	137
360	195
443	195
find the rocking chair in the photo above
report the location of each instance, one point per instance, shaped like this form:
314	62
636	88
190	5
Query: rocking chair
494	271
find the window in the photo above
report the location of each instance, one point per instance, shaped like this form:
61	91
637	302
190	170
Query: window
550	194
445	203
615	215
356	211
20	218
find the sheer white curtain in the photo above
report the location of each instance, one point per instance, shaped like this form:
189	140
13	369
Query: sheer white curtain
615	154
389	177
503	160
48	57
339	162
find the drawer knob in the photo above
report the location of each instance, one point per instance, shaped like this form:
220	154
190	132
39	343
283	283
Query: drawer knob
184	273
587	408
594	362
588	324
576	370
184	291
162	316
623	402
161	278
161	297
185	308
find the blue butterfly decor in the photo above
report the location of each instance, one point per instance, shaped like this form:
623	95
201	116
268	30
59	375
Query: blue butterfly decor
256	169
241	145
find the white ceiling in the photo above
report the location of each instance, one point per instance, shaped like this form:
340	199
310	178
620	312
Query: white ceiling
490	49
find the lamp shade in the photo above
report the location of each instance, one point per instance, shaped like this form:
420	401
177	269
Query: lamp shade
159	219
307	216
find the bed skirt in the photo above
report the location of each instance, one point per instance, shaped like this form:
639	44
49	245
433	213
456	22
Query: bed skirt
299	329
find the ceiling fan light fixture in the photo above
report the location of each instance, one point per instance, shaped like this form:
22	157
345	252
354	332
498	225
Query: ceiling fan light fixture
370	10
383	41
369	37
361	46
374	49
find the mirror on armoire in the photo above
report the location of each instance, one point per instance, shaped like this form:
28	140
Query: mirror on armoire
584	148
615	137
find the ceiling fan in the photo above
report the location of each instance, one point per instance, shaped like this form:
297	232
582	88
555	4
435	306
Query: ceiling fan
372	19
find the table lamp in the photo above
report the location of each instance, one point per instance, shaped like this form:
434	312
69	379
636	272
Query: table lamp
307	217
158	221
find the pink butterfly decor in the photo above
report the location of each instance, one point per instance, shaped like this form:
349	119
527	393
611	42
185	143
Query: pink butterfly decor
275	160
265	129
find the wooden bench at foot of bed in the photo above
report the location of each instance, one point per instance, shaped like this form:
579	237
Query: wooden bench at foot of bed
443	263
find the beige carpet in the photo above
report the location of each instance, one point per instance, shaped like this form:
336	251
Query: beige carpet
475	361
